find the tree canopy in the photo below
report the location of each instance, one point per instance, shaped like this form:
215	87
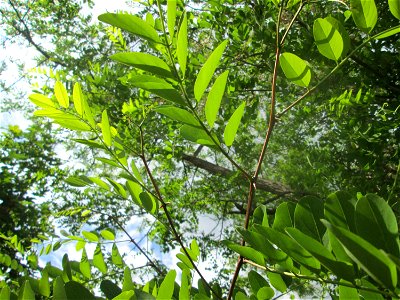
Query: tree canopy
278	119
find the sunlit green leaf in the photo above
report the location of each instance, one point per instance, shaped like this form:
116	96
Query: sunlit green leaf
116	257
77	96
339	210
131	24
197	135
247	252
92	237
364	14
178	114
44	285
377	223
98	260
105	129
265	293
99	182
61	94
5	293
167	286
127	295
184	291
171	17
233	125
214	98
26	292
144	61
148	202
207	71
349	293
369	258
58	289
277	282
84	265
158	87
387	33
134	190
127	284
107	234
41	101
328	39
118	188
295	69
182	45
78	181
394	6
284	216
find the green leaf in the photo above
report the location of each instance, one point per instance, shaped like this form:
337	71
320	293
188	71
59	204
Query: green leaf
167	286
116	257
214	98
98	260
247	252
290	247
67	273
41	101
127	284
195	249
77	96
325	257
369	258
388	32
26	292
84	265
118	188
131	24
148	202
107	234
73	124
377	224
328	39
182	45
277	282
364	14
134	190
61	94
75	290
178	114
256	281
44	285
184	291
110	289
295	69
136	172
90	143
284	216
88	112
265	293
105	128
343	33
77	181
171	17
197	135
144	61
349	293
58	289
339	210
260	216
5	293
394	6
307	217
158	87
127	295
92	237
370	295
108	161
233	125
207	71
99	182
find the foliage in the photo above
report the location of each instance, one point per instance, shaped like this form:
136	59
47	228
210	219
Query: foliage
346	242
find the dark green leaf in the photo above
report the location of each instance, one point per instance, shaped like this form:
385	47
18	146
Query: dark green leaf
178	114
265	293
277	282
207	71
260	216
339	210
295	69
75	290
58	289
131	24
144	61
325	257
110	289
5	293
148	202
376	223
369	258
256	281
166	289
364	14
307	217
116	257
284	216
233	125
67	273
26	292
90	143
127	284
158	87
370	295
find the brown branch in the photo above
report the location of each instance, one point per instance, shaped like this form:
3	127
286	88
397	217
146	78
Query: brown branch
262	184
